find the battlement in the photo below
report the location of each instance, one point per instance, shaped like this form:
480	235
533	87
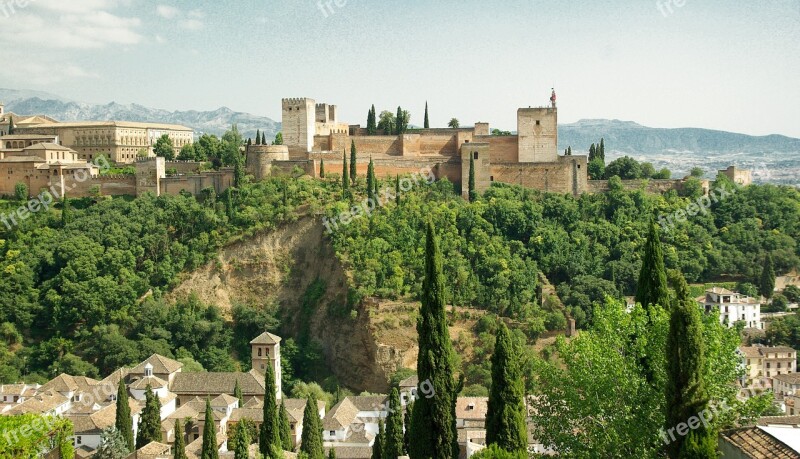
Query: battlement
293	101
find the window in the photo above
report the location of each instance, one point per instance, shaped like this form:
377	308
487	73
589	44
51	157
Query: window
333	432
79	440
259	352
491	178
474	155
538	123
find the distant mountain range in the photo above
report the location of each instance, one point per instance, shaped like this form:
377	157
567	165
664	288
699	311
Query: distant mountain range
776	156
211	122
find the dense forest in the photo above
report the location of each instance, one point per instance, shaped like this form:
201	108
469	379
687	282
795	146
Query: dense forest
83	284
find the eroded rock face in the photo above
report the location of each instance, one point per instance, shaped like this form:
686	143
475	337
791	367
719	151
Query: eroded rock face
278	267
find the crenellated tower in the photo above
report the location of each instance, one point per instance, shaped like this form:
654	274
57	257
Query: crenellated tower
299	124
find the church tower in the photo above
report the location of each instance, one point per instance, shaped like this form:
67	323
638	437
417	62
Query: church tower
266	350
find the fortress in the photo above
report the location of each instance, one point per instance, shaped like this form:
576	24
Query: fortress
312	133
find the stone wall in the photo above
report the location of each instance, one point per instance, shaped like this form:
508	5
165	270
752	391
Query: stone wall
219	180
114	185
538	135
568	175
652	186
184	167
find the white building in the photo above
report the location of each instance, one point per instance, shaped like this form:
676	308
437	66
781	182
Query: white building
733	307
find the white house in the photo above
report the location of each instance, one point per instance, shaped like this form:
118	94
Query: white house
733	307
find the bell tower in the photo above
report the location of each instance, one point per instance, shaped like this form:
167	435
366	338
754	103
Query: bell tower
266	350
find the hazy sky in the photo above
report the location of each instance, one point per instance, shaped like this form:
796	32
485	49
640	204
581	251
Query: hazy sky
721	64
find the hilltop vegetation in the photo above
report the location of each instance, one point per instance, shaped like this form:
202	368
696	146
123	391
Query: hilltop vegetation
84	293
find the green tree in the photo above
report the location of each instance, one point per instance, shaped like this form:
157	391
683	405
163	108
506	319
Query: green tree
321	168
686	393
164	148
766	283
150	420
258	136
392	441
407	424
697	172
278	139
179	447
454	123
11	126
427	124
270	434
601	151
241	441
473	194
124	421
652	286
399	124
21	192
331	454
209	449
311	440
377	445
372	126
237	392
238	172
505	418
353	162
112	445
597	169
345	177
397	190
433	425
496	452
285	429
592	153
371	180
625	168
387	122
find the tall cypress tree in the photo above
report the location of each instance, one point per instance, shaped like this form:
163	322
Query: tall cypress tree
270	434
652	286
321	168
209	450
427	122
241	441
505	418
397	190
353	162
264	138
372	121
399	121
331	454
686	393
392	442
311	441
258	136
124	422
179	447
286	430
592	153
433	424
10	125
602	149
377	446
473	194
371	180
237	392
345	176
407	424
150	420
766	285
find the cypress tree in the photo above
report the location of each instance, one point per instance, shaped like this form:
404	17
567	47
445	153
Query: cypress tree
10	125
264	138
397	190
392	441
407	424
505	418
209	450
238	172
286	430
124	422
258	136
241	441
652	286
372	121
602	149
331	454
766	285
569	150
433	424
353	162
150	420
473	194
237	392
685	392
399	121
371	180
270	434
345	176
249	141
179	447
321	168
427	122
592	153
311	441
377	446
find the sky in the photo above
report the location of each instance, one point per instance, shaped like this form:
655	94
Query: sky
720	64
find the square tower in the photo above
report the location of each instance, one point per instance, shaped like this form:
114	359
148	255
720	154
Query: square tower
266	350
298	123
538	135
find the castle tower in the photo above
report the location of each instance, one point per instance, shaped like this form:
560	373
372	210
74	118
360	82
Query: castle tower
538	133
266	350
299	124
